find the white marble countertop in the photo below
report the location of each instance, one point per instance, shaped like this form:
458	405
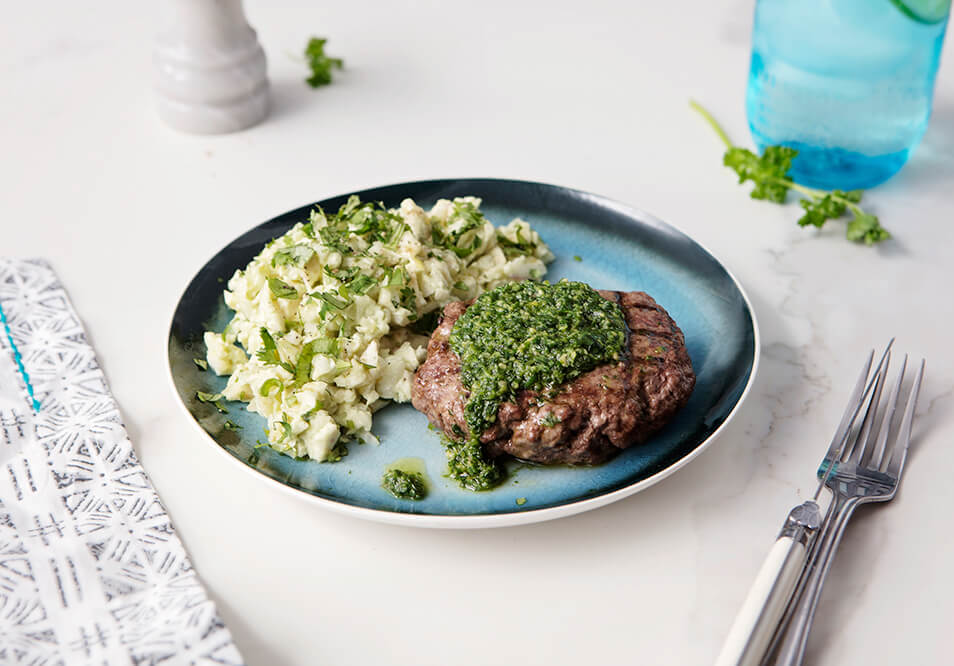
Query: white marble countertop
588	95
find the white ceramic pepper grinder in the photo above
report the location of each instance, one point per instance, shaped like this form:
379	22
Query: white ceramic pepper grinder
210	73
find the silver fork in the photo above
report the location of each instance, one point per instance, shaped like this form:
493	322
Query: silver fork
858	470
772	590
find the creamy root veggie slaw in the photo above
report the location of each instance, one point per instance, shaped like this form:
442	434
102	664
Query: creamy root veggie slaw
332	318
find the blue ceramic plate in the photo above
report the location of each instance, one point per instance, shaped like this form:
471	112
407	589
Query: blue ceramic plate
619	247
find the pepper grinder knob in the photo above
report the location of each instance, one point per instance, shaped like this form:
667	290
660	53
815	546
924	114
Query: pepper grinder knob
210	70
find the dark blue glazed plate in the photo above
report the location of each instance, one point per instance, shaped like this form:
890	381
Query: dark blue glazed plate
620	248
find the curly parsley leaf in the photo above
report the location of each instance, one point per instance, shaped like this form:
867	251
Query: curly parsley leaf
819	211
829	207
854	196
867	229
320	64
768	173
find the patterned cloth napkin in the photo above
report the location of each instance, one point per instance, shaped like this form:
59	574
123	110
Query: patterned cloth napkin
91	570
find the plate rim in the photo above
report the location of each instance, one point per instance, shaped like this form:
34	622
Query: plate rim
510	518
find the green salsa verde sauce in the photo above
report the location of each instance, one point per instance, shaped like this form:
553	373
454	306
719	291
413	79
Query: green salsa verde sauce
404	485
524	335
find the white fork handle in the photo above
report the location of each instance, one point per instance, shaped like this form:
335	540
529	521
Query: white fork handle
758	618
794	640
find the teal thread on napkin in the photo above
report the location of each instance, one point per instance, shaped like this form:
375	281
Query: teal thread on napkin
19	361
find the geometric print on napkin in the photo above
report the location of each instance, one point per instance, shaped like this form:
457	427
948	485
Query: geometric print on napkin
91	570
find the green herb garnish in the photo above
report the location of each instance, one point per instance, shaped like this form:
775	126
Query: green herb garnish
334	239
286	429
201	364
398	233
228	425
280	289
319	63
342	274
396	277
361	284
326	346
408	300
303	367
769	174
296	255
338	451
268	354
331	300
513	248
211	399
471	220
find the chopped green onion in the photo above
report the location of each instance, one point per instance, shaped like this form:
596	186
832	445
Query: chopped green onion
271	383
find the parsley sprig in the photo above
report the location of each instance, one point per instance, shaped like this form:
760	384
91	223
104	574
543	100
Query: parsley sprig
320	64
769	174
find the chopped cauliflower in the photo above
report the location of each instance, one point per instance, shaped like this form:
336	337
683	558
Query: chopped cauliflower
332	318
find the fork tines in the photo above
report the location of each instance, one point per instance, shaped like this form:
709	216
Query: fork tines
866	443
